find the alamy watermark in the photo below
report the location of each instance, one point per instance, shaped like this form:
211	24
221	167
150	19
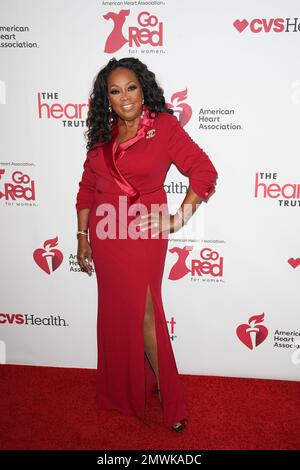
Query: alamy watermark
140	221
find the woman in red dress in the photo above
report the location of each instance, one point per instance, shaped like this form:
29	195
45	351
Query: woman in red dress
123	226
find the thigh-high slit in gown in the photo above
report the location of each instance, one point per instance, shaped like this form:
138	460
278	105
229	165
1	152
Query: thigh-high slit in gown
130	268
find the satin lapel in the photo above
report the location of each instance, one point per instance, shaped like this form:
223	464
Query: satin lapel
122	182
128	143
111	158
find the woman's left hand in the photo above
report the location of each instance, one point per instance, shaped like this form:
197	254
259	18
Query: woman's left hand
157	223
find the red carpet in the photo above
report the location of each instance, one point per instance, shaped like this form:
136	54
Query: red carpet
54	408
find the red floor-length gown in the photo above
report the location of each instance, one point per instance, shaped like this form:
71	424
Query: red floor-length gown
126	267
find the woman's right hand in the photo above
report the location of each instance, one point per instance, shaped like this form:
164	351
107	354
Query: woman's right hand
84	254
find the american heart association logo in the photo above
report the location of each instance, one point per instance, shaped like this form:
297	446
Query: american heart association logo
47	258
252	334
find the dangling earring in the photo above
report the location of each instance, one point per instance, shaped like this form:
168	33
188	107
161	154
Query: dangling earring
143	107
110	112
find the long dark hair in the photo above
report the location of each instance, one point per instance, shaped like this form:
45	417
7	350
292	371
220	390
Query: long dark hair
99	127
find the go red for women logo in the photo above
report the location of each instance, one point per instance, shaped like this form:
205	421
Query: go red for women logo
148	30
252	334
20	187
210	263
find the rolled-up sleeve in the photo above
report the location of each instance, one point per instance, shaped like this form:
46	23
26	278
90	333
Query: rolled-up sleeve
87	185
191	160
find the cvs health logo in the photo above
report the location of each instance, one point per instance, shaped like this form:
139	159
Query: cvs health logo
11	318
210	263
266	25
21	186
47	258
252	334
182	110
147	31
294	262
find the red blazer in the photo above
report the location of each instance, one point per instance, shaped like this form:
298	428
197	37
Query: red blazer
140	165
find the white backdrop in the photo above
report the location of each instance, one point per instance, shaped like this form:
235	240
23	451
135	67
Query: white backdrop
231	72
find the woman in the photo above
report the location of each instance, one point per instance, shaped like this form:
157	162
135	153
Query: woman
123	226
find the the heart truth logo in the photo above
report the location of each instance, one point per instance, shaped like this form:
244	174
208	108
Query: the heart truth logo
137	36
252	334
267	25
47	258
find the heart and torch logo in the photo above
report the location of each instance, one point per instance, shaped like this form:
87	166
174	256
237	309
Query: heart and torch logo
47	258
253	333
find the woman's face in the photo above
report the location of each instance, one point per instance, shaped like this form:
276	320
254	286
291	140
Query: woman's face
125	93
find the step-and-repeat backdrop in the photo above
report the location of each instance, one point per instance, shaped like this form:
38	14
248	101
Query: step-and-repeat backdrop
231	72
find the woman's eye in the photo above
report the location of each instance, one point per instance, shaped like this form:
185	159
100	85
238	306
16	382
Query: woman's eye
131	87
